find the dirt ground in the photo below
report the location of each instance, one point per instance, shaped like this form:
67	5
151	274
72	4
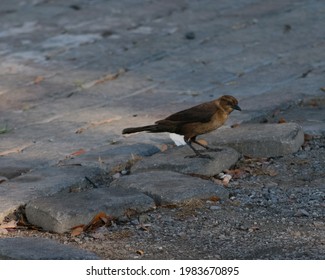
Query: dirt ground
276	210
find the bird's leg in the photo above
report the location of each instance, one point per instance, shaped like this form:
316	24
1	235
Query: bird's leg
197	153
205	146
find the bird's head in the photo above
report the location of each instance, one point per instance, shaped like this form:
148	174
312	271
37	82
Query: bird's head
229	103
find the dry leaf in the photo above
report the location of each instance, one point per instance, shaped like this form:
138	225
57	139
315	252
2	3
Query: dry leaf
75	231
99	220
38	79
140	252
77	153
9	225
282	120
214	198
226	179
236	173
192	203
308	137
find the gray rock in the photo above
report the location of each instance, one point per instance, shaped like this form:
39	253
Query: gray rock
60	212
27	248
170	188
42	182
174	159
262	140
302	213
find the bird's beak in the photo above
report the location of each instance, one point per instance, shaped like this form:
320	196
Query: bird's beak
236	107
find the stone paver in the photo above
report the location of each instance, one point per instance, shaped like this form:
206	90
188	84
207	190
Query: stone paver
29	248
175	159
262	140
42	182
171	188
72	79
310	114
63	211
109	158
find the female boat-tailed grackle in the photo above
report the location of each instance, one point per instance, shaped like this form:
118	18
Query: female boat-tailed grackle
194	121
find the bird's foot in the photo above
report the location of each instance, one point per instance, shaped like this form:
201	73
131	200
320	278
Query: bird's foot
199	156
213	149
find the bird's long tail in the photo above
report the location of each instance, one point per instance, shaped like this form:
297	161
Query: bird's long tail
149	128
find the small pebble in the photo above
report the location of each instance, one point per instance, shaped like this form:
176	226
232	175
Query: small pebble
124	172
190	35
182	234
144	218
302	213
215	207
134	222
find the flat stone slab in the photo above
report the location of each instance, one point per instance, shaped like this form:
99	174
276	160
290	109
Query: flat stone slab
29	248
60	212
41	182
175	159
310	114
170	188
110	157
262	140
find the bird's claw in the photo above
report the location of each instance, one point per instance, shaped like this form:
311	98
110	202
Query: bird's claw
199	156
214	149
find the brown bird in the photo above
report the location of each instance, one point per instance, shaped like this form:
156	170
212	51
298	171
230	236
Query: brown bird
194	121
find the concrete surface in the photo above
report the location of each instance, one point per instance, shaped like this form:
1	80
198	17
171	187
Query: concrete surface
29	248
73	78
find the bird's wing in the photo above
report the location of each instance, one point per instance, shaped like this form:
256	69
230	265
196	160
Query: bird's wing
200	113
